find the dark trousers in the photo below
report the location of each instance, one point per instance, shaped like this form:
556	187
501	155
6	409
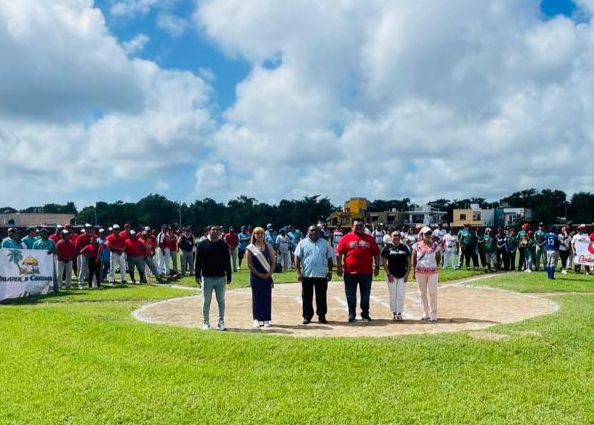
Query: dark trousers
564	256
104	270
500	254
483	258
94	270
468	252
509	261
350	287
308	285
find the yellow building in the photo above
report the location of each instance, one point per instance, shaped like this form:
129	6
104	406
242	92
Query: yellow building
467	216
354	208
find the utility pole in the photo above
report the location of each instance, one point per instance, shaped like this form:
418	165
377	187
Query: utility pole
180	214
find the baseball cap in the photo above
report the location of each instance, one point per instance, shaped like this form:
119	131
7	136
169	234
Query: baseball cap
132	232
12	230
31	228
115	226
88	225
65	232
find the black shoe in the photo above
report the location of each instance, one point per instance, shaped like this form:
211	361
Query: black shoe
366	317
306	321
322	319
351	319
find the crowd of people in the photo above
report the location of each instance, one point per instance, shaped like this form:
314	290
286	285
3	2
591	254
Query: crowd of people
96	255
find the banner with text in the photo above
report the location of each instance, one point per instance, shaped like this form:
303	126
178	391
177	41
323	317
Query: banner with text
25	272
584	253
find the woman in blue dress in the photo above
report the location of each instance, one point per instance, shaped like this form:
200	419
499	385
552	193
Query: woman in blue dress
260	259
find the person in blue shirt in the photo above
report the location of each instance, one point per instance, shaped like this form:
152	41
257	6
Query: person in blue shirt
244	241
313	263
270	235
12	240
31	237
552	243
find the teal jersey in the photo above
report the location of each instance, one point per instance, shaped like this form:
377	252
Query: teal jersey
9	243
29	241
489	244
47	245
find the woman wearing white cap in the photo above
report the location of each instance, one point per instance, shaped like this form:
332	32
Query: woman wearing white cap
426	257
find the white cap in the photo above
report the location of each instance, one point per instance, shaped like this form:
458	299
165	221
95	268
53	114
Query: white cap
88	225
426	229
115	226
83	231
132	232
147	228
110	229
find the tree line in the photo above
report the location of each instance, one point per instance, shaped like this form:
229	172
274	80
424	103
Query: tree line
549	206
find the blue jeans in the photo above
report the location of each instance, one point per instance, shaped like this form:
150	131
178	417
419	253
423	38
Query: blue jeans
218	285
350	288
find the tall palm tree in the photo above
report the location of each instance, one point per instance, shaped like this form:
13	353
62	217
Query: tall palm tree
15	256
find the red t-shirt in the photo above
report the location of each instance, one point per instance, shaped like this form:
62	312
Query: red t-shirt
83	240
592	237
124	235
232	240
358	251
91	250
150	243
65	250
134	248
116	243
55	237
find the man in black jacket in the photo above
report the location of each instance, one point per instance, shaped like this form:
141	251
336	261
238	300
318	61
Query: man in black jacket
213	266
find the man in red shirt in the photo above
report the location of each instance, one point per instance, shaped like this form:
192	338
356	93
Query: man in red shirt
357	252
135	252
117	246
66	252
232	241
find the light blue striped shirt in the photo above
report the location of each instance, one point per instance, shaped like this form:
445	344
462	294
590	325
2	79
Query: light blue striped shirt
314	257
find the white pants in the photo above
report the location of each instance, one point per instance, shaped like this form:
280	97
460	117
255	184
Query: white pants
114	260
65	267
164	260
397	290
285	260
428	291
83	269
449	258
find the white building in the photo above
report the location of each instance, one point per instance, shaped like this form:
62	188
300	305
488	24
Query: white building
425	215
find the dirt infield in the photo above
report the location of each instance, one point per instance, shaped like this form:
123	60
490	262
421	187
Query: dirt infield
460	307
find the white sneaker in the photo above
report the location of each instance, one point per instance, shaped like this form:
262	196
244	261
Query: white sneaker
564	272
256	324
221	325
267	324
206	326
80	287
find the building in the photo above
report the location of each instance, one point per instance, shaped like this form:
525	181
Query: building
496	217
516	216
358	208
425	215
34	219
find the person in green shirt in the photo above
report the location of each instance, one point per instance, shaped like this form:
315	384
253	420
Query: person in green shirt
541	252
489	250
467	240
530	252
12	240
31	237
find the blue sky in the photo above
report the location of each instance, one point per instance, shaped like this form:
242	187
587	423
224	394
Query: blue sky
282	99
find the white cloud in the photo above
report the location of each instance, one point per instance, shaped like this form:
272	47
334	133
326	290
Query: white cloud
136	44
392	98
77	112
130	8
173	25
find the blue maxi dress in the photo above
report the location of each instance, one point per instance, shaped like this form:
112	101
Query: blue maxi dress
261	290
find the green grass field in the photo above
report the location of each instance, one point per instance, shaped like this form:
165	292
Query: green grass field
81	358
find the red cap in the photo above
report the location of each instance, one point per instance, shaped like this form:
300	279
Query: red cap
127	226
